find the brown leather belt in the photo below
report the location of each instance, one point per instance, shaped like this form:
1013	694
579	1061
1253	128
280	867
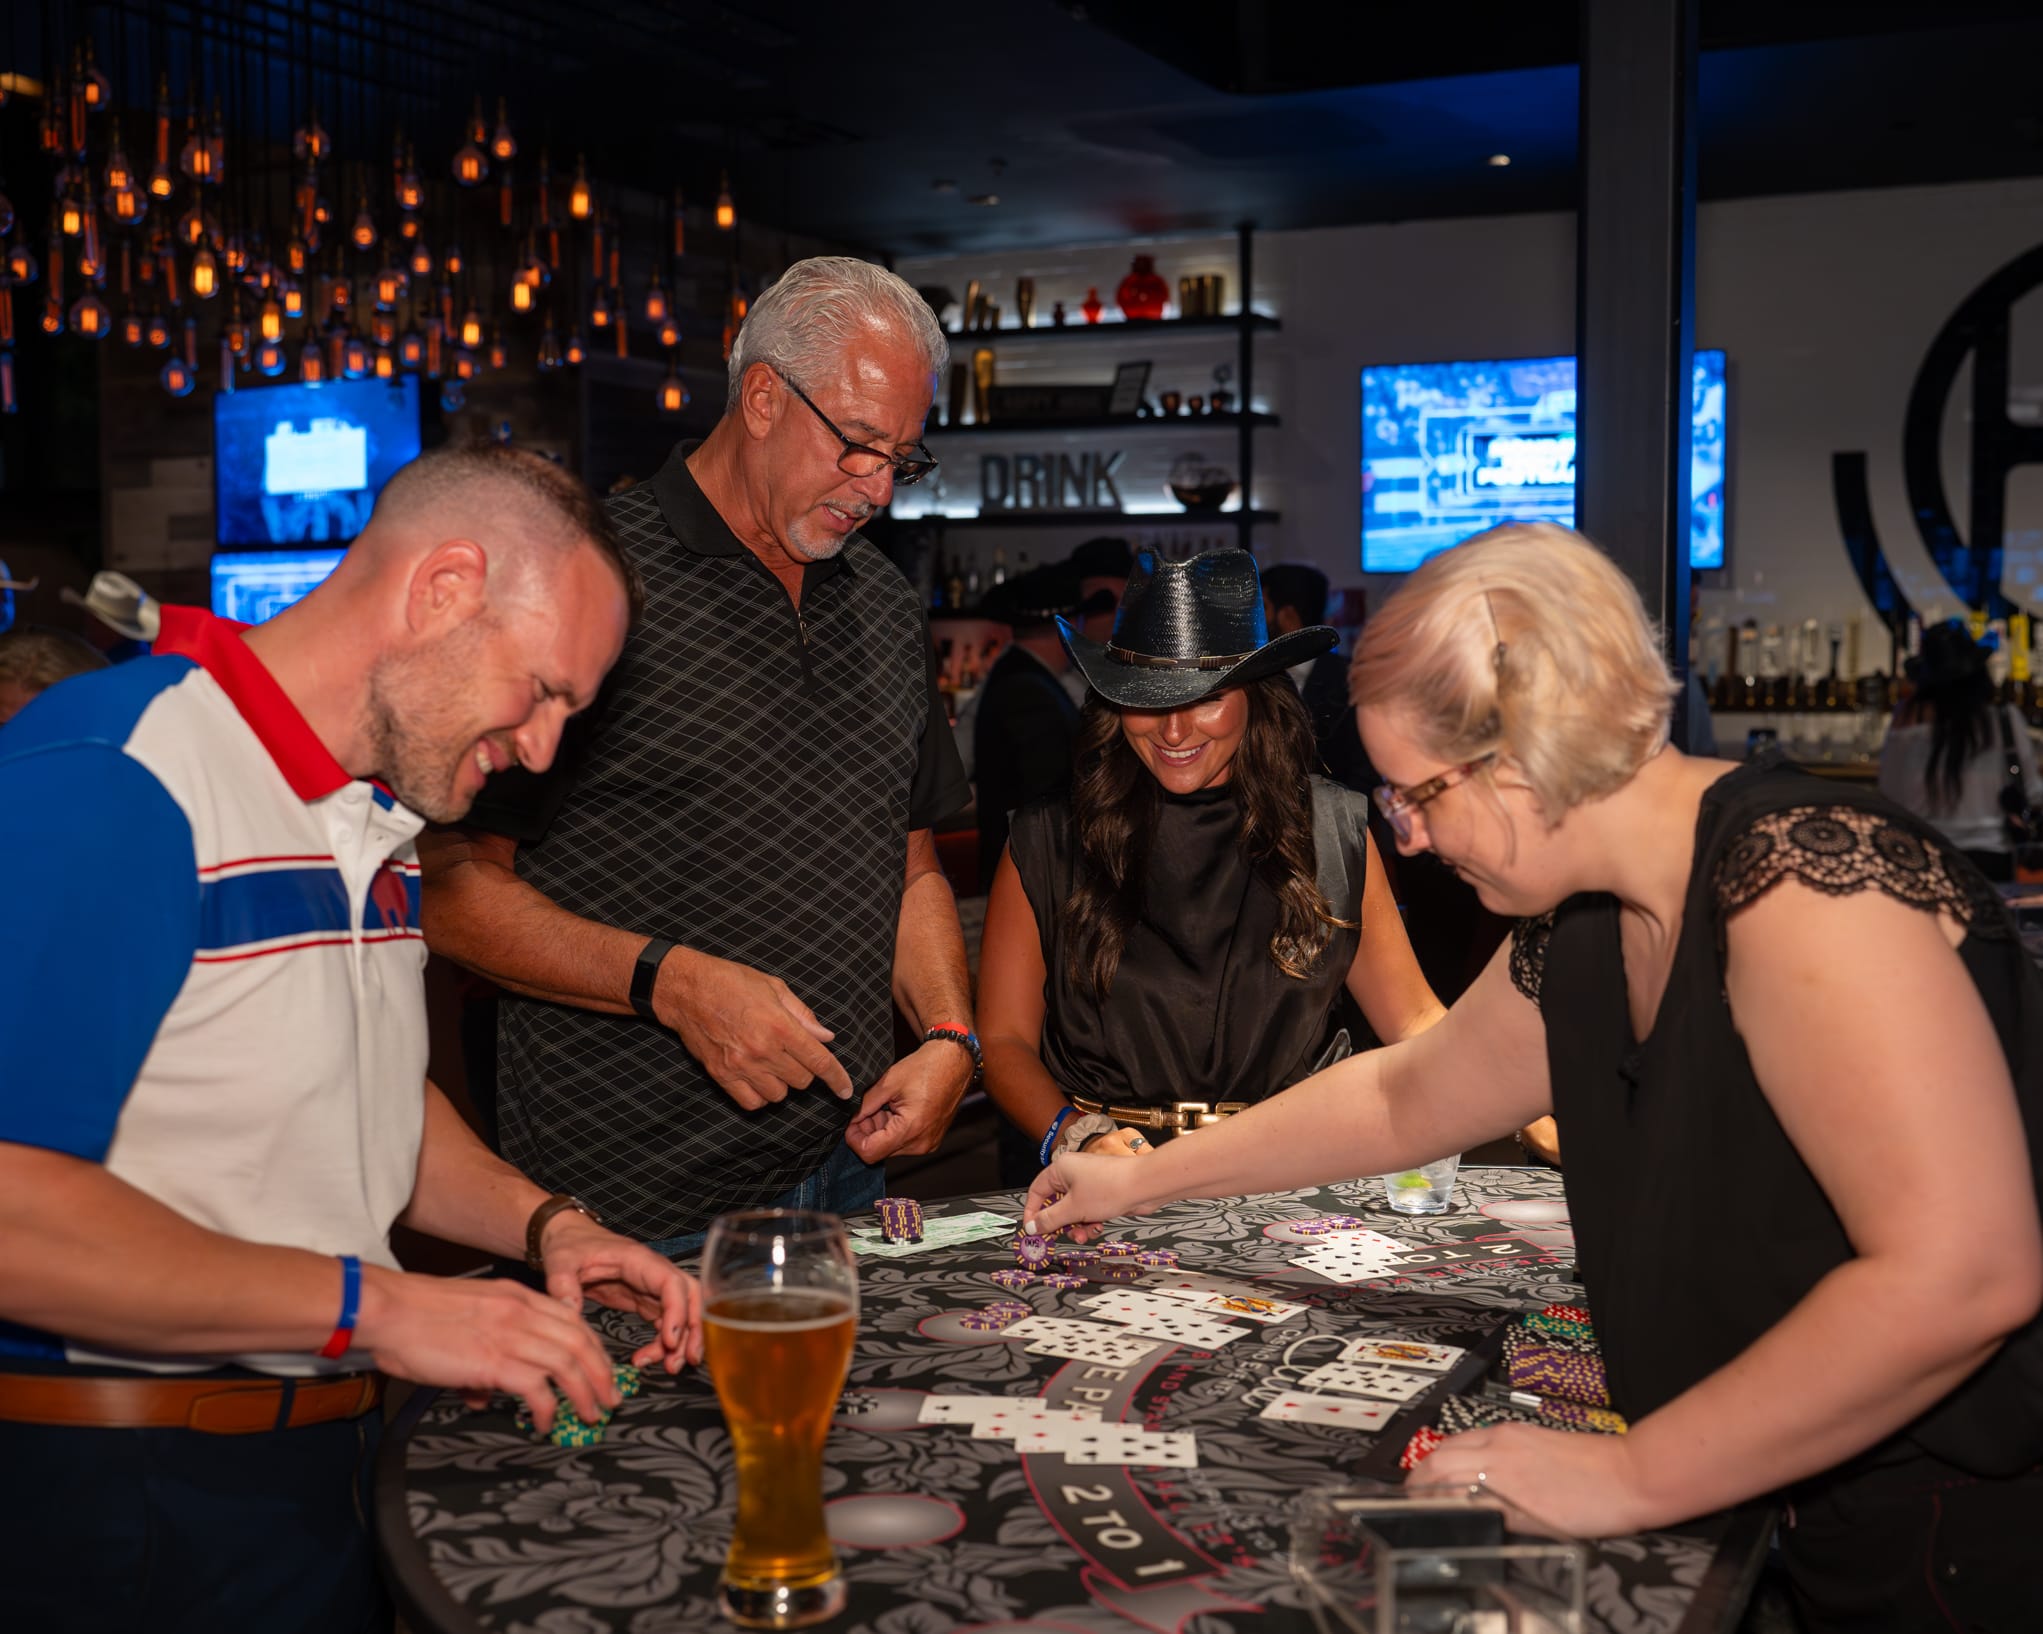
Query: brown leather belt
215	1406
1176	1118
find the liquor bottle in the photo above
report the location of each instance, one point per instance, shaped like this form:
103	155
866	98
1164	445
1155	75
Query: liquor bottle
954	588
999	565
972	585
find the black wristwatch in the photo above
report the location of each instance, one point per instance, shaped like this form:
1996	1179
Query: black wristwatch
535	1228
645	973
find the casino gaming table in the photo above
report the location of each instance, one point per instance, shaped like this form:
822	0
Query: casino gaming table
484	1527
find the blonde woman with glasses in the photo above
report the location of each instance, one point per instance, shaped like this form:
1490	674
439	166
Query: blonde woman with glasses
1797	1055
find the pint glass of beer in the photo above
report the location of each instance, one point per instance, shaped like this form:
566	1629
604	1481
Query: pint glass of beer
781	1308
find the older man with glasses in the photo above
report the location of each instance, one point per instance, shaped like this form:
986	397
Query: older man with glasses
704	915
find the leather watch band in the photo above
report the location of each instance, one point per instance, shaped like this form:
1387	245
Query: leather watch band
645	973
535	1228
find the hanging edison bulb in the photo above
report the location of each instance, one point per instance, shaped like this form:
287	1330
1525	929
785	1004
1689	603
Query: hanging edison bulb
195	159
411	351
656	302
623	336
355	357
505	196
499	354
434	338
234	254
311	363
162	181
503	146
573	353
471	328
191	342
521	295
53	315
158	332
269	321
192	227
204	281
580	200
549	346
21	265
340	297
92	87
310	141
269	359
216	147
599	309
452	263
421	261
673	394
471	164
363	234
50	126
71	215
6	317
178	377
133	333
90	317
235	331
124	199
411	192
383	327
294	299
226	365
464	364
296	254
119	173
9	404
91	255
726	211
670	334
384	364
408	228
391	283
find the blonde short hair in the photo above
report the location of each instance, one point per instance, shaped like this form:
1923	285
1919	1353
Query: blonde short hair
1526	641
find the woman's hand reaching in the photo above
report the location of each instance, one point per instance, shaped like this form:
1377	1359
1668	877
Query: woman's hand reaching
1082	1190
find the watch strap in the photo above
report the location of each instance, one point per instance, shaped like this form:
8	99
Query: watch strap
535	1228
645	973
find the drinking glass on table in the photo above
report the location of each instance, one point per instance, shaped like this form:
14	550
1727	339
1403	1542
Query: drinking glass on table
780	1293
1428	1189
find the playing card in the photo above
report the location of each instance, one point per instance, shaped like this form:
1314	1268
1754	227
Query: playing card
1181	1327
1006	1426
1343	1262
1361	1239
1368	1379
970	1409
1402	1353
1341	1412
1218	1296
1096	1445
1081	1341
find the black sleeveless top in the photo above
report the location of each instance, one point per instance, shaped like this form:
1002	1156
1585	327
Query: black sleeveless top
1697	1223
1198	1010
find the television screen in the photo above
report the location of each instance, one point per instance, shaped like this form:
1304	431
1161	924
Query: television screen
1449	449
296	465
250	586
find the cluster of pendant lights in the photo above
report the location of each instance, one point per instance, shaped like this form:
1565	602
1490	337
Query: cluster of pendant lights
283	311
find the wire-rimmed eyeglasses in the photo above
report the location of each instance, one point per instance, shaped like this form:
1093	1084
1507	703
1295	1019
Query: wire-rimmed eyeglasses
1397	805
857	460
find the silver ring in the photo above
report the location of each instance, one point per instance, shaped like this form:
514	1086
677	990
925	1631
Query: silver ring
1137	1140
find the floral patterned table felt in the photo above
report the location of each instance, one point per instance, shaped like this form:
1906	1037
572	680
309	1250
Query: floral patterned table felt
482	1527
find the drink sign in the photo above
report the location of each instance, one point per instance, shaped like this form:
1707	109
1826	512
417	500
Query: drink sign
1049	482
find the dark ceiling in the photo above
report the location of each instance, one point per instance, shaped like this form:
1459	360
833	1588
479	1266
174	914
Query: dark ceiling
879	127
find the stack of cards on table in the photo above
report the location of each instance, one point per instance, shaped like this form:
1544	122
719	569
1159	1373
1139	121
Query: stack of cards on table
1103	1342
1075	1434
1383	1373
1157	1316
1218	1298
1346	1255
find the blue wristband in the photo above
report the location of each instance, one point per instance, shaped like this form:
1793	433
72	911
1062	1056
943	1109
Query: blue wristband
1050	1140
351	1305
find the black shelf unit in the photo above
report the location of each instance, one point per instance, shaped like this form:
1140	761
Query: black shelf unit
1106	422
1243	520
1245	325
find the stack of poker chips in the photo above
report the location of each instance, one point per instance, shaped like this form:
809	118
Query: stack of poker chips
1014	1277
1032	1252
1459	1414
1576	1416
1074	1258
1324	1225
1118	1248
996	1316
1554	1370
1157	1259
1065	1280
1419	1448
1567	1323
1123	1270
900	1219
569	1428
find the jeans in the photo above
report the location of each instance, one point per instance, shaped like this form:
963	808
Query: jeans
846	1184
180	1532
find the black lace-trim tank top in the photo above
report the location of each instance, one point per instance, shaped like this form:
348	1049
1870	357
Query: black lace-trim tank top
1697	1224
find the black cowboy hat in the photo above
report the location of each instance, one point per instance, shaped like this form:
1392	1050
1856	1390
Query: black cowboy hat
1186	630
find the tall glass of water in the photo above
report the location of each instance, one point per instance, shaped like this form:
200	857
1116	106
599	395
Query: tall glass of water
780	1291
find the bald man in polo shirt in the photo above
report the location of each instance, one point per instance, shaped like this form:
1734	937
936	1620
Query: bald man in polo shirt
214	1103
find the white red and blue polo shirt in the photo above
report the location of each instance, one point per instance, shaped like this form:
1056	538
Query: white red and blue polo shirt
211	972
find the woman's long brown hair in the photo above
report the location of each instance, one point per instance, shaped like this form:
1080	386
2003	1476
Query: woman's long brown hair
1114	804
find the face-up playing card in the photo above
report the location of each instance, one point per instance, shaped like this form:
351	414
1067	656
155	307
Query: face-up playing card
1402	1353
1081	1341
1108	1444
1361	1239
1006	1426
1181	1327
1341	1412
1368	1379
961	1409
1351	1262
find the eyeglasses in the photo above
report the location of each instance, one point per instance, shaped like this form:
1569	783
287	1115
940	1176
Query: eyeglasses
857	460
1397	805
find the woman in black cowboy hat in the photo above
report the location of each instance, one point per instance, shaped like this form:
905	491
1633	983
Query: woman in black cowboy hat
1172	940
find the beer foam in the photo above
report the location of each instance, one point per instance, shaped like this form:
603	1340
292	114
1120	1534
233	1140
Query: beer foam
840	1309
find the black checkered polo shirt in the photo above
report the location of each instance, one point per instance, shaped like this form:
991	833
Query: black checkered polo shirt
745	786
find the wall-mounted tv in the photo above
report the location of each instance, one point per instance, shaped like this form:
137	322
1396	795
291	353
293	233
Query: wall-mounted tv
1449	449
250	586
299	465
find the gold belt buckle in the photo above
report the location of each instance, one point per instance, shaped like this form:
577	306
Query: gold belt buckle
1198	1114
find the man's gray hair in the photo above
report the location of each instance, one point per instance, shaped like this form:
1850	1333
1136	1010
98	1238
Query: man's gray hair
818	307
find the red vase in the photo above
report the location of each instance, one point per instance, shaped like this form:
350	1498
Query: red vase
1091	306
1142	293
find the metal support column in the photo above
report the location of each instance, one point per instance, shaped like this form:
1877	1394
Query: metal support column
1635	299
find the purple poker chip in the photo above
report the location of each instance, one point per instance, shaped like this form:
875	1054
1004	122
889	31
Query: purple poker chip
1013	1307
1118	1248
1077	1259
1032	1252
1063	1279
1014	1278
1118	1271
900	1219
980	1322
1157	1259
